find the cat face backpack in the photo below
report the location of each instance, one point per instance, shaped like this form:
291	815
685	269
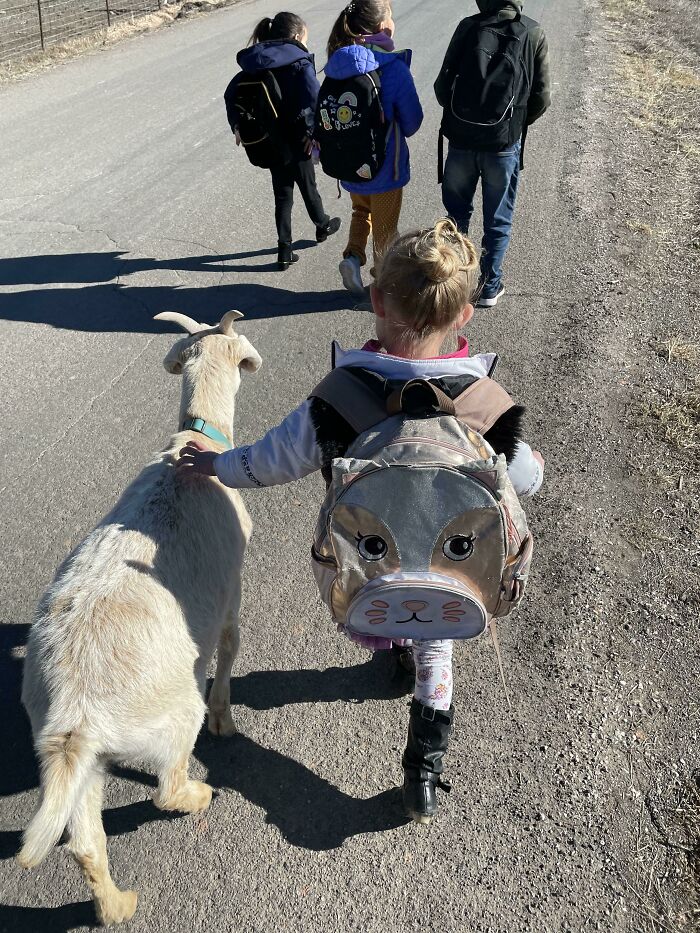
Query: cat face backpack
421	534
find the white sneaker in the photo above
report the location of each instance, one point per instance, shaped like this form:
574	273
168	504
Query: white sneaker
490	301
349	269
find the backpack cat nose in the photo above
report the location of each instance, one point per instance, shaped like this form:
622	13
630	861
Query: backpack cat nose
414	605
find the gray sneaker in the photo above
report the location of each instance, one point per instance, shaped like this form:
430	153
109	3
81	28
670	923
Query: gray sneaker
349	269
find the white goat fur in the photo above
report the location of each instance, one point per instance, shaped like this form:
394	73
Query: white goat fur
117	656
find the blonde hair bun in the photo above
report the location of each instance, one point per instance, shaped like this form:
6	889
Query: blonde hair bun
432	273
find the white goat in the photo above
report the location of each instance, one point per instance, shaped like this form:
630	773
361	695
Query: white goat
117	656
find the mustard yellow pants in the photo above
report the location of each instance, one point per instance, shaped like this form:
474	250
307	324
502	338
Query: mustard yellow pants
375	214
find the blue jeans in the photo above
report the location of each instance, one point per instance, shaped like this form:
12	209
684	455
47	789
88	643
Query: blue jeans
499	173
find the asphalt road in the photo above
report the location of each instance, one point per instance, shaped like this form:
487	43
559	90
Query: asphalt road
122	195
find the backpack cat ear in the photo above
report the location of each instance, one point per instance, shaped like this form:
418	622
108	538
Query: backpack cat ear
492	472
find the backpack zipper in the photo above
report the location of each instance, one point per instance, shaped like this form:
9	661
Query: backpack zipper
254	142
433	443
510	108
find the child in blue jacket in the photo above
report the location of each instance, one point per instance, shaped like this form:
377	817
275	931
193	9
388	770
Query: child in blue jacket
361	41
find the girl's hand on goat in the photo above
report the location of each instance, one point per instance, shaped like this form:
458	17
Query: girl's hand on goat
197	457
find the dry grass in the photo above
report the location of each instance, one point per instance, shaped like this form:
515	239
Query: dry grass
676	348
646	230
103	38
677	412
679	417
660	99
619	11
665	92
667	886
656	49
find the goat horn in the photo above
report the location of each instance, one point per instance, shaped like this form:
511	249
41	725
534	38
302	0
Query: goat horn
186	323
226	325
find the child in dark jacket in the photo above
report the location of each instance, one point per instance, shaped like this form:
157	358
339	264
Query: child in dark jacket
471	159
425	285
361	41
279	45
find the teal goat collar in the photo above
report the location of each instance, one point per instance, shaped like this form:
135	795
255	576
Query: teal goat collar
201	426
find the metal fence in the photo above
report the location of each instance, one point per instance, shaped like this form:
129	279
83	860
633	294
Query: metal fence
32	25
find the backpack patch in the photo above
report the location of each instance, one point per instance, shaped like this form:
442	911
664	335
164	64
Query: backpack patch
350	127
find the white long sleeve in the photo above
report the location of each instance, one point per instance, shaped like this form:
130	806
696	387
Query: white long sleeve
285	453
290	451
525	473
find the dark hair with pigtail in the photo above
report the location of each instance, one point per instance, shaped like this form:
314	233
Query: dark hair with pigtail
359	18
283	26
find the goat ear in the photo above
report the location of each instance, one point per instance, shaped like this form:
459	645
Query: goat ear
226	325
173	361
248	356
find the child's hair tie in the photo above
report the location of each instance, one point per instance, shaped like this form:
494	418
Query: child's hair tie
350	8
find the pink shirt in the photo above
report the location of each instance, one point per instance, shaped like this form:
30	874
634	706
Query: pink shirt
373	346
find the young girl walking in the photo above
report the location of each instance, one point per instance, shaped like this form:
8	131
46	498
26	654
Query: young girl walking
425	286
278	45
360	42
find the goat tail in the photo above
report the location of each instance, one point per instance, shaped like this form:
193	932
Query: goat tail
67	761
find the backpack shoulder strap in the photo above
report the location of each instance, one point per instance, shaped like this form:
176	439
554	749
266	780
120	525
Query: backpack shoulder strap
363	405
352	398
528	22
482	404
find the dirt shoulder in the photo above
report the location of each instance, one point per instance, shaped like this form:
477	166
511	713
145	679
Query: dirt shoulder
646	123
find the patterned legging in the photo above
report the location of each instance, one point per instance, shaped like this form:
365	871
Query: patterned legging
433	661
376	214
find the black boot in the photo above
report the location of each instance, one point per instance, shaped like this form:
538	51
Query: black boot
322	233
403	668
428	737
285	256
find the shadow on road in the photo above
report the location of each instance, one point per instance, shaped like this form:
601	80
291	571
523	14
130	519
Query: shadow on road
104	303
19	771
93	268
117	308
47	919
310	812
373	680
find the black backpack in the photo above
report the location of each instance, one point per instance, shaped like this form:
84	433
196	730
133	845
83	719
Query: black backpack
254	105
487	109
350	127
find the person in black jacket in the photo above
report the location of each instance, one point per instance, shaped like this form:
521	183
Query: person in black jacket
278	45
472	156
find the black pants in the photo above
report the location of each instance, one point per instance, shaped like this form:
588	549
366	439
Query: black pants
283	178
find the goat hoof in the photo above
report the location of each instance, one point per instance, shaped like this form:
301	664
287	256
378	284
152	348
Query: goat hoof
118	907
191	798
220	722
